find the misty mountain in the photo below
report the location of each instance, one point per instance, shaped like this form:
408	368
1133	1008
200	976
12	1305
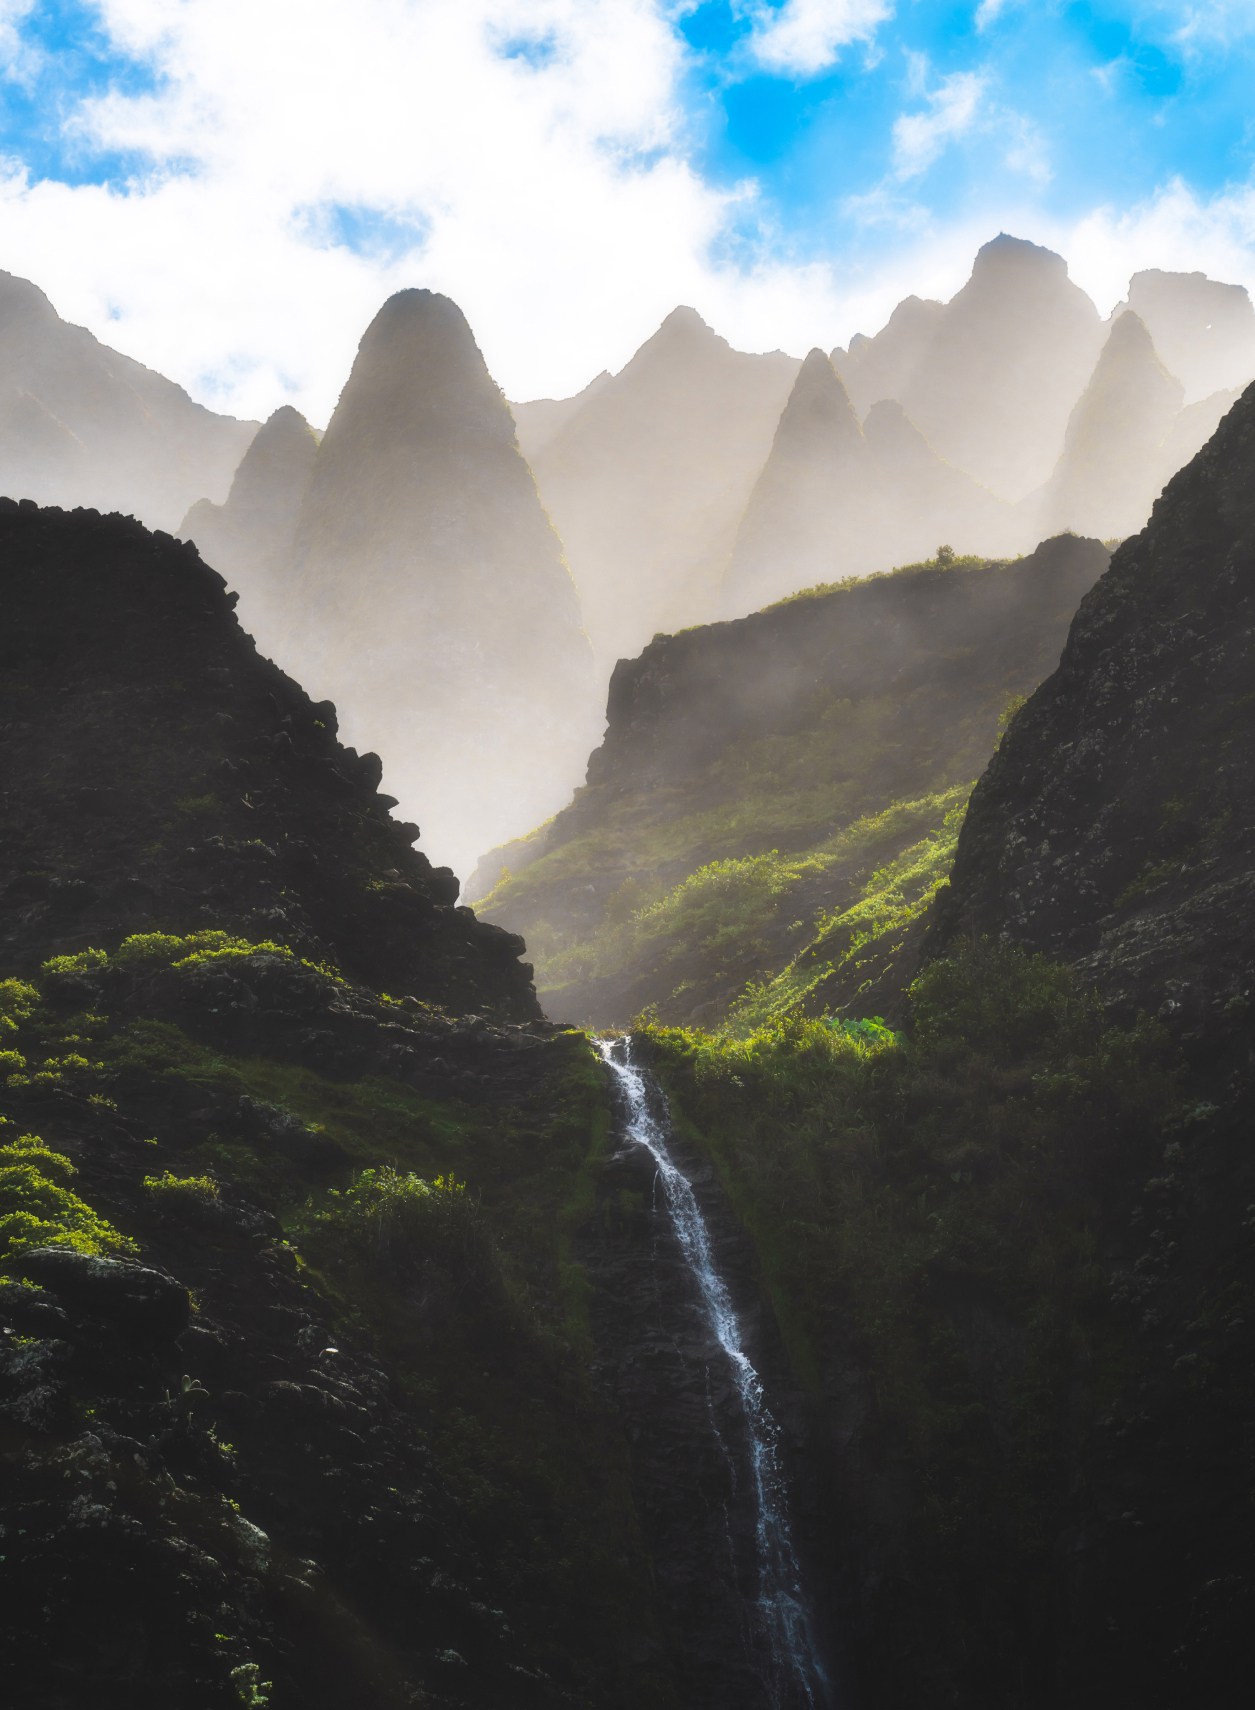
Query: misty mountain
426	589
539	421
81	424
883	366
647	481
754	777
809	518
1203	330
995	386
251	537
835	499
1112	466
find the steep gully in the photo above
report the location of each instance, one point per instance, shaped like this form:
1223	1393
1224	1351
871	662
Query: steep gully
755	1560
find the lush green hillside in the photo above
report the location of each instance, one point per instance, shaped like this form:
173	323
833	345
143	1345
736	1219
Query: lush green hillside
295	1401
778	796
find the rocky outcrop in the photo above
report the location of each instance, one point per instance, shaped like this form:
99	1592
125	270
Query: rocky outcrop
81	424
1111	469
1113	827
647	481
158	773
294	1405
250	538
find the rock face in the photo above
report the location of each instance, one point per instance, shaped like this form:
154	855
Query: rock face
250	539
1114	826
427	591
1112	466
647	481
1203	330
82	425
667	1380
137	715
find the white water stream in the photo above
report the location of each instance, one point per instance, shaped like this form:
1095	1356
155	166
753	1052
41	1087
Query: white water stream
794	1677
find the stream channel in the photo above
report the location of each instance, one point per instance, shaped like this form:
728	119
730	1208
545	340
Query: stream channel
750	1551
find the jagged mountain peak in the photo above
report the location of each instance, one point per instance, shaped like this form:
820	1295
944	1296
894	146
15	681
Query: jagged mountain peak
1005	255
22	300
284	444
683	334
818	402
1129	334
418	373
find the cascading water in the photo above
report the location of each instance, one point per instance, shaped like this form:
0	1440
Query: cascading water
793	1677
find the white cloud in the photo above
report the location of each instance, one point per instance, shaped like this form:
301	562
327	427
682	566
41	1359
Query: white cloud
1174	229
806	36
18	60
535	149
952	109
989	11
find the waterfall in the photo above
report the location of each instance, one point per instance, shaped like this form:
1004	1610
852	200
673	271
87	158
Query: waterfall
793	1676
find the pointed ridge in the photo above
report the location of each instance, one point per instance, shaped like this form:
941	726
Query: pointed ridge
19	297
818	400
1005	254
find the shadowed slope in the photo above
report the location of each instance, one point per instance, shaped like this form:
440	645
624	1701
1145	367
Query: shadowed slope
140	719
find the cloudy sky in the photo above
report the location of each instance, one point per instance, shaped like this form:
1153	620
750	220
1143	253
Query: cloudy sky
228	189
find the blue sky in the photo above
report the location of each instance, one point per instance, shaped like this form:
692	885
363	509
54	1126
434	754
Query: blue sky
228	188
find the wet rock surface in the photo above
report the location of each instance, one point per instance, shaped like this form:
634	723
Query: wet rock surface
664	1373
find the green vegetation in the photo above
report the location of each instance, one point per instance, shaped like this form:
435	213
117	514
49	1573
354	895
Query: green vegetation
946	559
926	1203
434	1226
39	1209
786	857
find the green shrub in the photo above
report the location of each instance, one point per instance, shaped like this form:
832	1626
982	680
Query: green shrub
39	1209
182	1191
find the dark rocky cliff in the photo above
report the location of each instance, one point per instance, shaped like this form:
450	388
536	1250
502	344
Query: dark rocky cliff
1115	825
158	772
294	1394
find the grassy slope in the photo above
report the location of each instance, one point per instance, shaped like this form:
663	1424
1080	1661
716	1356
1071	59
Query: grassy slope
492	1363
940	1217
723	889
